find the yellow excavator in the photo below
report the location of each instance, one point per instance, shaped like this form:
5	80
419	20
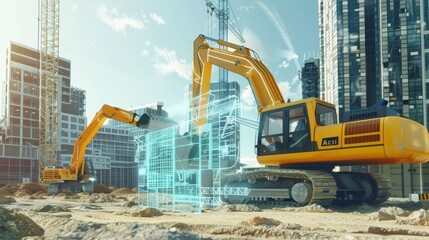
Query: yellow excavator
80	175
300	142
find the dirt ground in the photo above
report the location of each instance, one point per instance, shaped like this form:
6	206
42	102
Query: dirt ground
109	216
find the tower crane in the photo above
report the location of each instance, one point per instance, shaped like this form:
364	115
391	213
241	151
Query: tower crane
226	19
48	104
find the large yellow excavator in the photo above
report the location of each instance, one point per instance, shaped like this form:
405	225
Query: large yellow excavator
80	175
301	142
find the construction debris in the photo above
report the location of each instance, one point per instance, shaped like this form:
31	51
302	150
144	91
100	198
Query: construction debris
16	226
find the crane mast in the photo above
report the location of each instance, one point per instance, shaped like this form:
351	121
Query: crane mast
227	21
48	104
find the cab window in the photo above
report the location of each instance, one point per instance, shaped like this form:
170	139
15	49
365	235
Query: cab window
325	115
272	133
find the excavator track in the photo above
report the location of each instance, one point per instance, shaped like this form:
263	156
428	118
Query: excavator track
287	187
312	186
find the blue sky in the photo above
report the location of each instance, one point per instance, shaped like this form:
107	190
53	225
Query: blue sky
130	53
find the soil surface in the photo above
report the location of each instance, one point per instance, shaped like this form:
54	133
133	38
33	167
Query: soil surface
110	216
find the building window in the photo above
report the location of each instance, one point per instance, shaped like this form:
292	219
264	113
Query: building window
64	118
73	119
73	126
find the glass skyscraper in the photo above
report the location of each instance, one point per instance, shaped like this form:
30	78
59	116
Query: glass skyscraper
376	49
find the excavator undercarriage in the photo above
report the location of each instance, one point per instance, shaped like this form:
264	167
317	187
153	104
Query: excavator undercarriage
303	187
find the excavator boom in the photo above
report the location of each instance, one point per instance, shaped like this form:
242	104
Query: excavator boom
239	61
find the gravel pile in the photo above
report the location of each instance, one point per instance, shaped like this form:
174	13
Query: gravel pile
238	208
16	226
261	221
309	208
139	212
32	188
418	218
51	209
123	231
388	213
99	198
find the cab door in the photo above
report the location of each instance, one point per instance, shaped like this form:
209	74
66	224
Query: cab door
298	129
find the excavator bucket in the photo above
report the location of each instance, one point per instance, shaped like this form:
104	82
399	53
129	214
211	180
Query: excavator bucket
143	121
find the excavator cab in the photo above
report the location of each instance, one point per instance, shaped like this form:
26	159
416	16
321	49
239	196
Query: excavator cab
288	130
284	130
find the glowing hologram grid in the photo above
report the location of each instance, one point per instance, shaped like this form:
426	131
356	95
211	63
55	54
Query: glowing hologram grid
181	172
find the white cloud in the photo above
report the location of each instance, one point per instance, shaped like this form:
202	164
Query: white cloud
157	19
285	89
275	18
247	8
116	22
295	79
166	62
284	64
147	43
252	41
290	55
75	7
144	52
247	97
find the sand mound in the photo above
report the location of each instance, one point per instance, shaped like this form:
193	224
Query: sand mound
139	212
51	209
61	195
31	188
5	200
11	187
123	231
418	218
87	207
22	193
16	226
309	208
122	191
388	213
258	221
99	198
5	192
238	208
100	188
113	188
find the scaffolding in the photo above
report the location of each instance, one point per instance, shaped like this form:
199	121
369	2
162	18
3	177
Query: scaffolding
49	40
182	172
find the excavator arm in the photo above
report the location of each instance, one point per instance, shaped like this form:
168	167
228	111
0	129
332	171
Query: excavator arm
239	61
76	171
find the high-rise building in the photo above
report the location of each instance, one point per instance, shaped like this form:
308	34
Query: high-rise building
310	79
377	49
20	112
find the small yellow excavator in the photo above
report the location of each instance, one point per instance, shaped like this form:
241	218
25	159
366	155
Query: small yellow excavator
80	175
301	142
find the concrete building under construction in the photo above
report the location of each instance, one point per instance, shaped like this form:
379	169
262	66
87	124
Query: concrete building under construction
20	112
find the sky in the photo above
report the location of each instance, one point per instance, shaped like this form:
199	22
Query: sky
131	53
